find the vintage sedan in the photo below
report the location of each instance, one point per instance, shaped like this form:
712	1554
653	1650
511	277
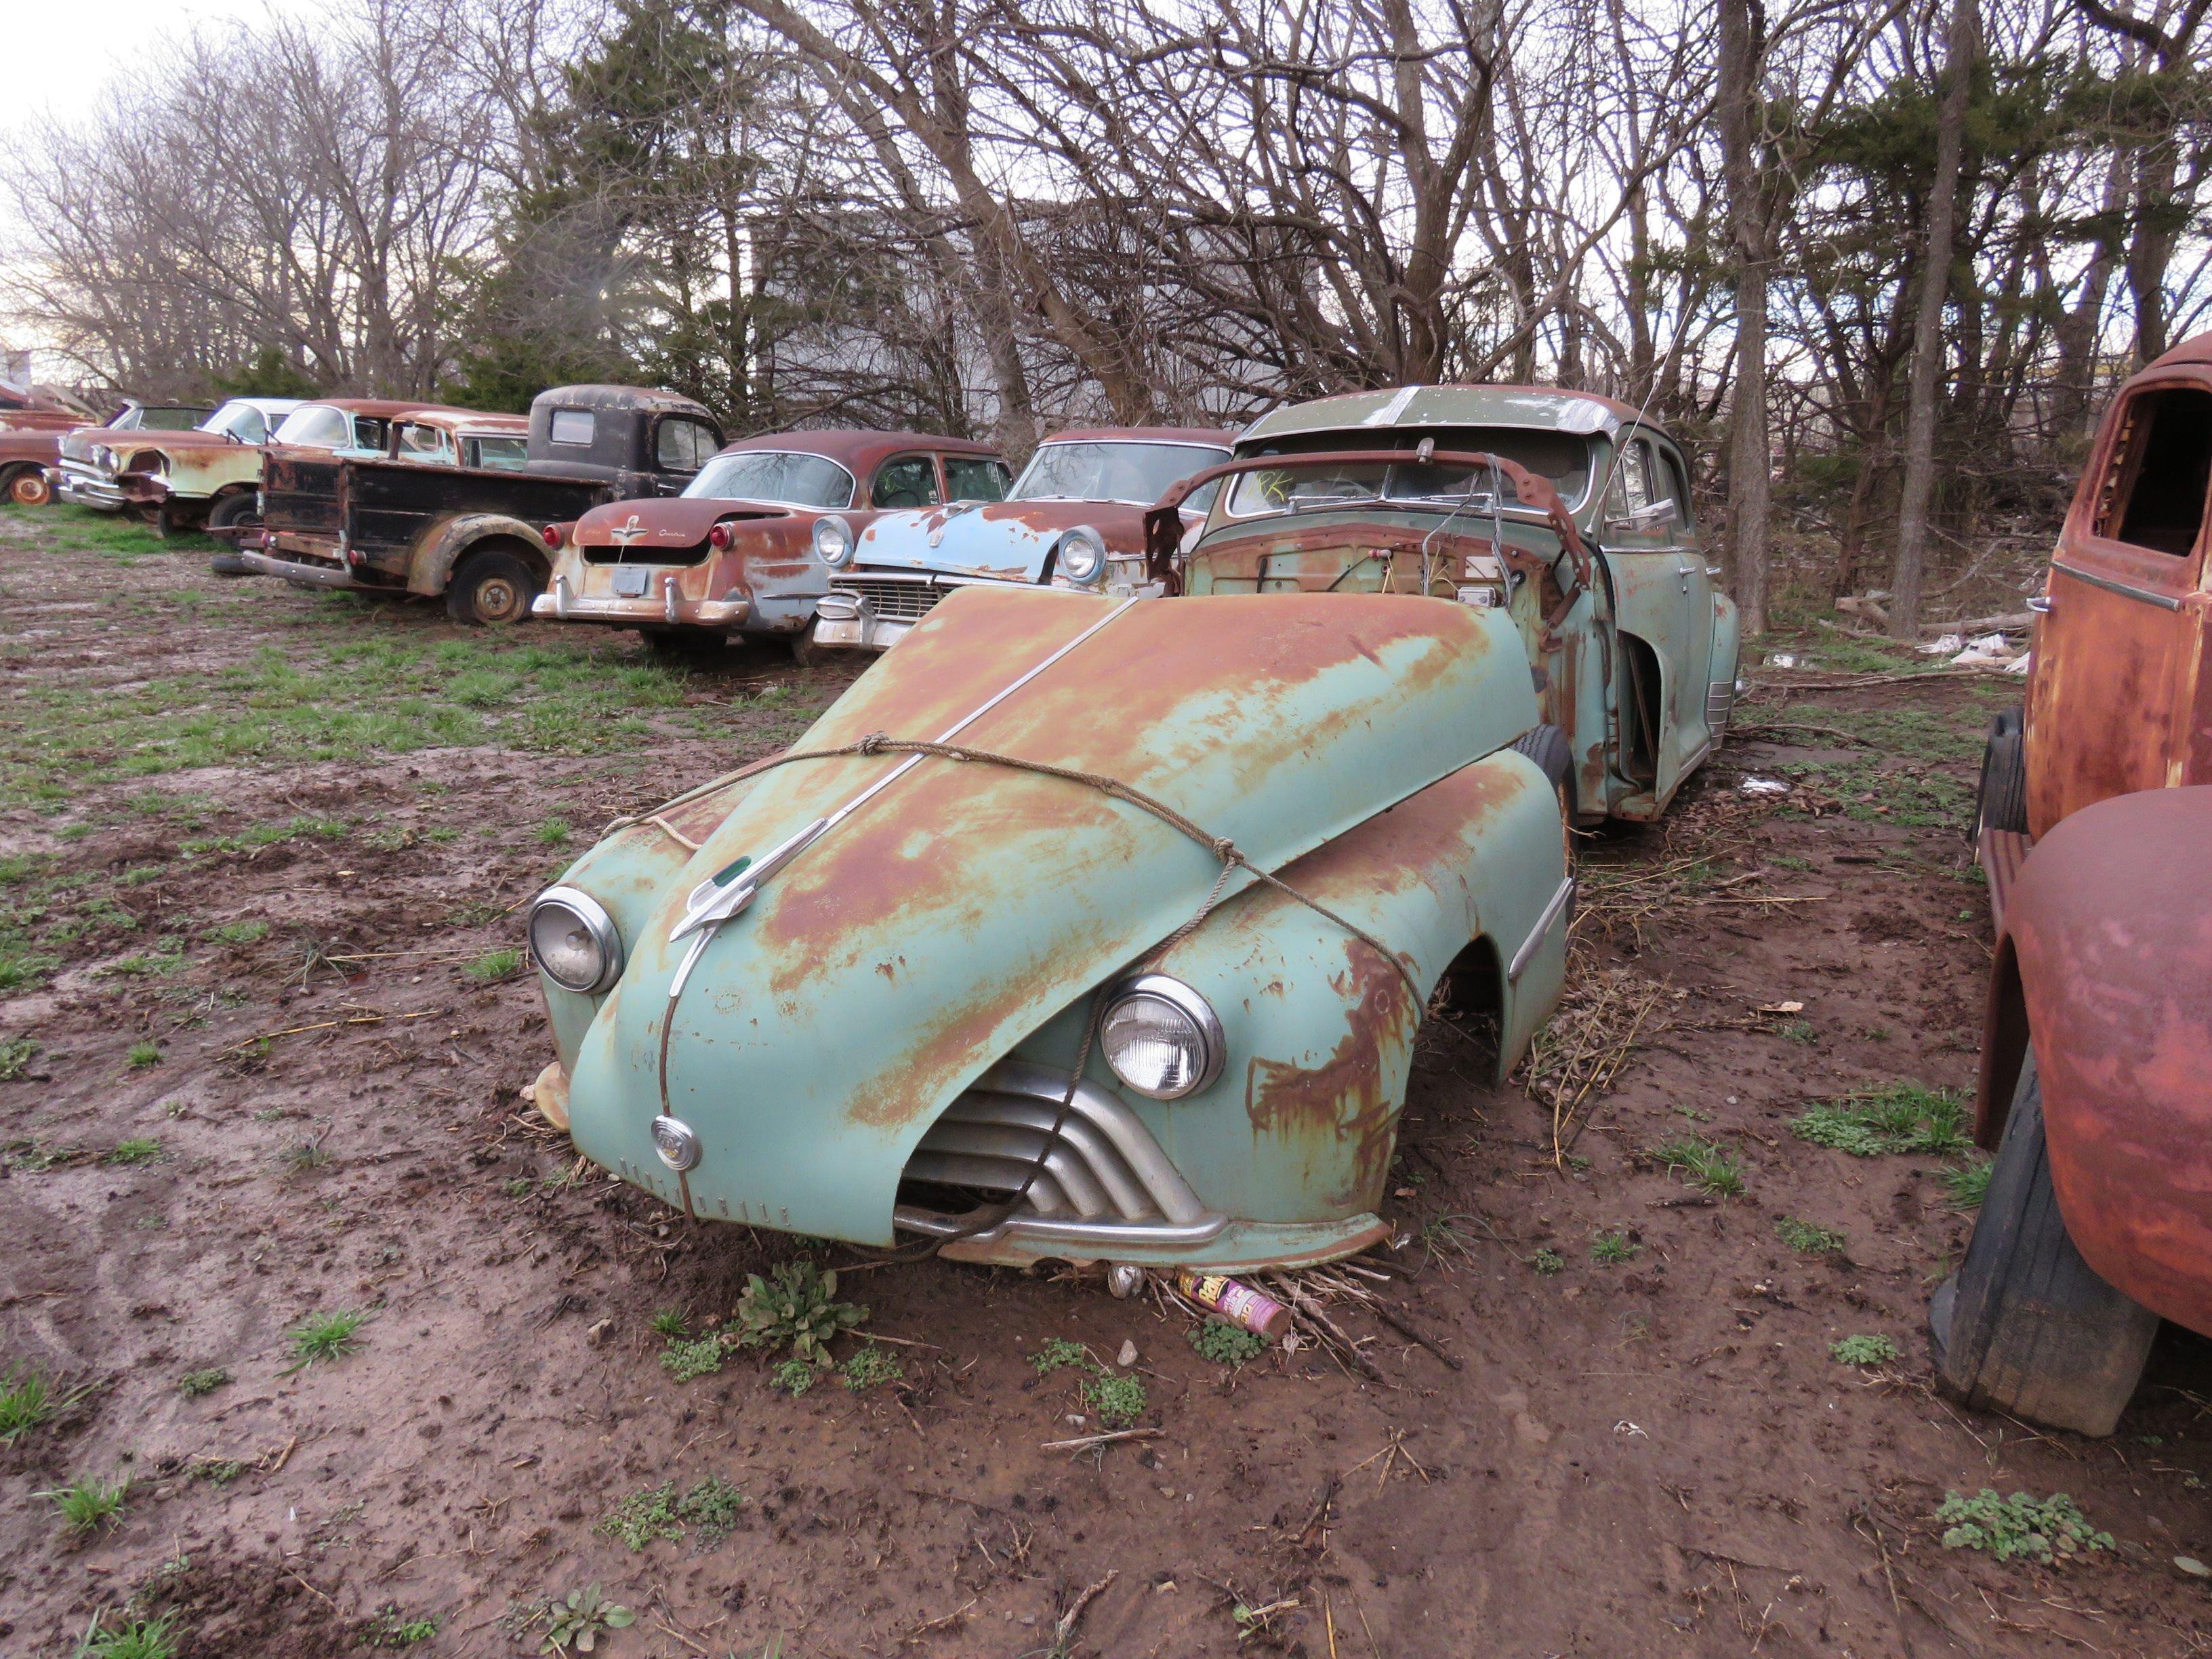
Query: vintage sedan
217	460
1080	928
1569	513
30	448
1079	504
2093	1096
741	551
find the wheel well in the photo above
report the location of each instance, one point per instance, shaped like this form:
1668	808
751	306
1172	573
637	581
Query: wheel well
1471	997
532	555
2005	1047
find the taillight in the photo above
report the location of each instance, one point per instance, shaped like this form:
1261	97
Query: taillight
552	535
720	537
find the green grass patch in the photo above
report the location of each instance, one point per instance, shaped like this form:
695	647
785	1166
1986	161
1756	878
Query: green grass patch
1225	1343
1612	1248
133	1152
143	1055
16	1054
392	1629
135	1638
1899	1117
88	1503
192	1384
1966	1185
27	1402
869	1365
709	1510
688	1358
1806	1239
1057	1354
1707	1165
326	1337
1862	1350
2040	1528
493	965
239	932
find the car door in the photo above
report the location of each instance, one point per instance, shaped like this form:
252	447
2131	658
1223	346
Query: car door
1663	615
2119	648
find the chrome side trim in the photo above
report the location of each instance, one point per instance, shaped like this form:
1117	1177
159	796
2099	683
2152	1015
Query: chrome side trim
1529	945
1105	1235
2163	601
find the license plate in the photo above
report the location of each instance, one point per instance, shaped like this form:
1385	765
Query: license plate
631	580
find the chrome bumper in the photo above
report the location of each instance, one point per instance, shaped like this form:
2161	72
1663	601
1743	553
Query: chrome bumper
305	575
669	610
875	609
848	619
82	486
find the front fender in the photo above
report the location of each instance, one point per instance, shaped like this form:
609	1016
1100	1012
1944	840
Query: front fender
430	566
1720	676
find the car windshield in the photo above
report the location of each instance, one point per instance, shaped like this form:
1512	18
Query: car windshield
1110	469
240	420
316	426
169	420
773	474
1561	458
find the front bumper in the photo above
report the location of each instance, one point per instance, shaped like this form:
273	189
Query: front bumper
663	606
874	610
81	486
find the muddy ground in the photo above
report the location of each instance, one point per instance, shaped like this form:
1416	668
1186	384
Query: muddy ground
262	854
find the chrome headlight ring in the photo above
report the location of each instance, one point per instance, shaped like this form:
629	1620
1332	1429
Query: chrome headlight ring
1162	1038
575	940
1080	556
833	541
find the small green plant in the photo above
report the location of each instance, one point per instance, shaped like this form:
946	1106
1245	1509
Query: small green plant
1225	1343
553	832
1119	1401
797	1304
687	1360
139	1638
143	1055
1056	1354
493	965
872	1364
1862	1350
2018	1525
1708	1165
1798	1030
15	1056
88	1503
519	1187
194	1384
1900	1117
303	1156
1548	1260
1966	1185
27	1401
670	1324
1614	1247
579	1621
710	1507
389	1629
326	1336
217	1470
239	932
1806	1239
793	1376
133	1152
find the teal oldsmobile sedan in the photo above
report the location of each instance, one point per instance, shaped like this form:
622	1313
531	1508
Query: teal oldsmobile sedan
1100	926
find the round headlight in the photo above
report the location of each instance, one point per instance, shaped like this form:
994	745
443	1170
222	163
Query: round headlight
575	940
833	540
1082	555
1161	1037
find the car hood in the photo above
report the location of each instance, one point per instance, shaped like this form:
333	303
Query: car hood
665	521
1007	540
889	964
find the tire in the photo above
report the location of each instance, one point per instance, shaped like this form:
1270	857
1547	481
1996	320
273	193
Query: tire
1547	746
2001	803
230	564
238	512
805	653
492	588
29	487
2025	1325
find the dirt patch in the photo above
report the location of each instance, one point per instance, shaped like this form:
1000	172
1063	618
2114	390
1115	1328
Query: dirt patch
1646	1448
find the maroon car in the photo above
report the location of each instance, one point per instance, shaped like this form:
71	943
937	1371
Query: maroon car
1075	518
746	548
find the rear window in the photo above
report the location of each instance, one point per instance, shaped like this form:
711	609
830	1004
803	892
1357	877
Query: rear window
572	426
2153	495
422	443
682	446
502	454
1562	458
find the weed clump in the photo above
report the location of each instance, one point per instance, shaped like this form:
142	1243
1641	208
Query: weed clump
1966	1185
493	965
710	1507
1119	1401
27	1401
871	1366
1225	1343
139	1638
1900	1117
1057	1354
1709	1165
1615	1247
687	1360
1862	1350
326	1336
1806	1239
797	1304
88	1503
2019	1525
134	1151
194	1384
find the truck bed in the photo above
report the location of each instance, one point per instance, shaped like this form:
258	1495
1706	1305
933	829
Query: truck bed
381	507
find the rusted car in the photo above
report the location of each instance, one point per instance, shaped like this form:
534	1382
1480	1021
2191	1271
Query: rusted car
208	476
741	551
440	504
1078	505
2117	685
1568	513
2094	1096
1080	928
31	441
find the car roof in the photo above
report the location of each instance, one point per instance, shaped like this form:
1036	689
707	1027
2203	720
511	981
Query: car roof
2196	350
1210	436
1543	409
466	420
385	408
266	405
858	451
600	396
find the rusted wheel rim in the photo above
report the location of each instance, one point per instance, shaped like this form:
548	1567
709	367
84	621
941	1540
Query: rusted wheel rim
29	489
499	600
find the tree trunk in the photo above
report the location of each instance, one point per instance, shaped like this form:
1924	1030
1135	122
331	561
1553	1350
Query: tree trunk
1918	487
1749	485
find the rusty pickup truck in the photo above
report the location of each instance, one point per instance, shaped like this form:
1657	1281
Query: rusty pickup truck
446	508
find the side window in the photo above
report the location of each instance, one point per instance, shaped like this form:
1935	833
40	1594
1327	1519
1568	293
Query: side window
422	443
1645	484
908	481
682	446
2153	495
572	426
369	432
974	478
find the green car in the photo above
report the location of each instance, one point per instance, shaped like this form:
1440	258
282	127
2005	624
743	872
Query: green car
1088	927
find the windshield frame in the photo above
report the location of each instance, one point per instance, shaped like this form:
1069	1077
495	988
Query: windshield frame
1599	455
691	491
1225	452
